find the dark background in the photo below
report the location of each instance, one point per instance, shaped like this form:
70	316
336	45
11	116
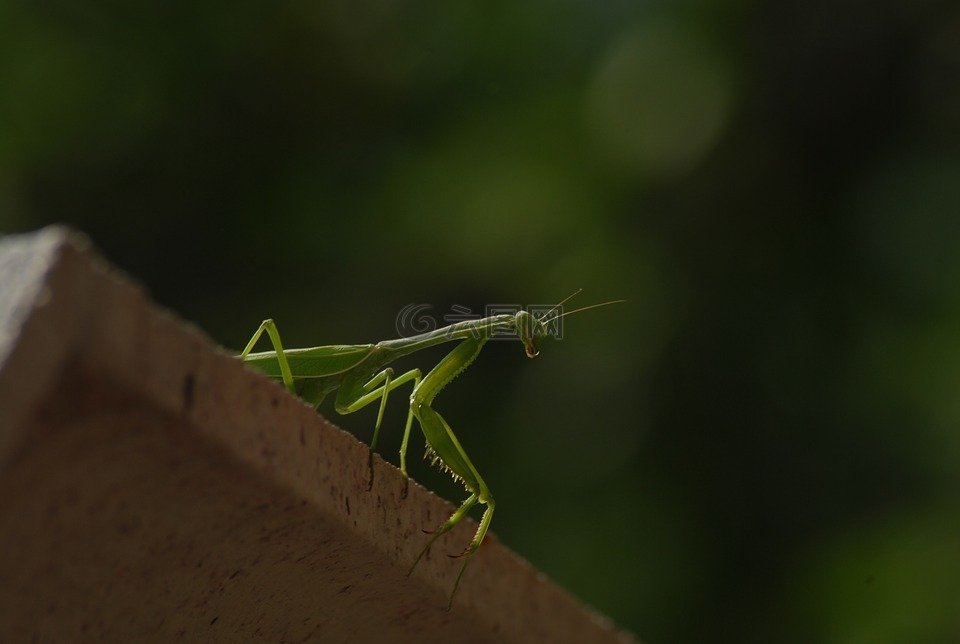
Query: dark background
762	445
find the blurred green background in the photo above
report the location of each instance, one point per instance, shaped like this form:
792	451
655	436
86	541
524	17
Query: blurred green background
762	445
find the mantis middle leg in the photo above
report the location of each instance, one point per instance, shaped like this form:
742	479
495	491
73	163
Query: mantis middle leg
351	398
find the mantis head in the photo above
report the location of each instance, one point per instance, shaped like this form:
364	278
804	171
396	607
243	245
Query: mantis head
533	330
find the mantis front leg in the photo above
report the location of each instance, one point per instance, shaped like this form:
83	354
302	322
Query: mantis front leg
445	446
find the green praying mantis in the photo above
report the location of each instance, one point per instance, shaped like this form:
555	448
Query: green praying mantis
360	374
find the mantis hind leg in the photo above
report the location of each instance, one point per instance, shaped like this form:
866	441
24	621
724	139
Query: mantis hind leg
270	327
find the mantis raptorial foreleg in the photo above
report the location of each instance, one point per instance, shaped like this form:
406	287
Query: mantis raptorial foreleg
444	444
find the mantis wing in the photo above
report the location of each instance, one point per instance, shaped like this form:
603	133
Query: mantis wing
317	371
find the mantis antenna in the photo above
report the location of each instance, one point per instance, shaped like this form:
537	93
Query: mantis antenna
584	308
560	303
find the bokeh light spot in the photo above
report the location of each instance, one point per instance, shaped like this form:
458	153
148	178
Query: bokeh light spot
658	101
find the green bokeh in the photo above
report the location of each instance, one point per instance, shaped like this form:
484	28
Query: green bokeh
762	445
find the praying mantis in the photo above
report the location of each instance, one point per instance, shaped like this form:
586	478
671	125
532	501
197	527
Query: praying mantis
360	375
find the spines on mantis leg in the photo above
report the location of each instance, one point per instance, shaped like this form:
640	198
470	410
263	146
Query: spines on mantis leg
436	461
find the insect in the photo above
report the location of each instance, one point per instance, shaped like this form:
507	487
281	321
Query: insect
359	374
